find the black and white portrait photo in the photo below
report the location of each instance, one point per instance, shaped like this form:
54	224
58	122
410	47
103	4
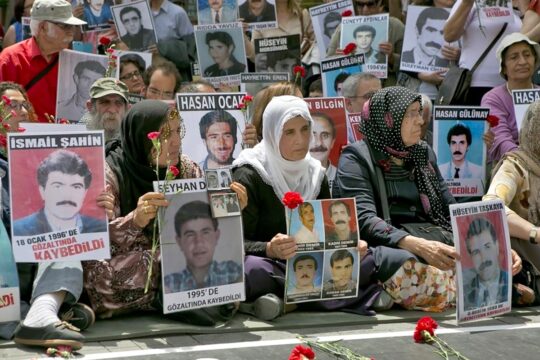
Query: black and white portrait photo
135	25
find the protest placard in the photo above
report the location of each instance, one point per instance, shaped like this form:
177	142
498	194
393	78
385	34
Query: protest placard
202	256
77	72
484	273
495	11
214	127
97	14
54	213
224	201
336	70
135	25
367	32
461	153
522	99
258	14
252	83
326	265
354	120
216	11
221	52
326	18
9	281
277	54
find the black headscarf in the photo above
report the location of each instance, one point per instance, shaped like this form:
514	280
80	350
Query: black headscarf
381	125
130	161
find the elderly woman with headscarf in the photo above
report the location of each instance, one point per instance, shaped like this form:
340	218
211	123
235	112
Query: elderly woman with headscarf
280	163
516	181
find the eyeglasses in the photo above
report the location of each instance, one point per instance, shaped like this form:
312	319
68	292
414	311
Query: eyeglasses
133	19
162	94
64	27
132	75
18	105
368	4
366	96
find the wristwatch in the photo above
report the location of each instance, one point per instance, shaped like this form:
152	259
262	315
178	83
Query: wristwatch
532	235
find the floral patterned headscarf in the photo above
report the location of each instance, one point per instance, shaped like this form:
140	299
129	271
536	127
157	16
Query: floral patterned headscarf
381	124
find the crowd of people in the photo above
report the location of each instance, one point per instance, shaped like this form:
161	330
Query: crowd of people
392	172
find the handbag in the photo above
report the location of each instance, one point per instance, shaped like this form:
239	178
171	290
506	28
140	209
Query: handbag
454	88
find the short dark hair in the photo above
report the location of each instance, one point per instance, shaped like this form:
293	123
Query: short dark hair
339	255
369	28
193	86
331	17
302	258
316	85
192	211
65	161
328	120
336	203
167	68
134	59
221	36
216	116
478	226
342	76
303	206
127	9
459	129
91	65
276	56
430	13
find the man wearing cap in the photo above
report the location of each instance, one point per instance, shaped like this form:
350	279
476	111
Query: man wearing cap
33	63
107	106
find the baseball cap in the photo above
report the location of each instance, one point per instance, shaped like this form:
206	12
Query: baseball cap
106	86
58	11
512	39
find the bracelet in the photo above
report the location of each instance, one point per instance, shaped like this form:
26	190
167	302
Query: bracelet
532	235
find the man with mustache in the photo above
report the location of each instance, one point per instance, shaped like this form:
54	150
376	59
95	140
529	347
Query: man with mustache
63	178
218	131
489	283
305	268
197	235
324	137
340	215
307	233
429	32
459	139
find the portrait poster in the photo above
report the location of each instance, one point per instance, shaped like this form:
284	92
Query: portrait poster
54	212
367	32
141	58
277	54
216	11
353	126
423	40
329	132
214	126
484	273
326	18
334	71
77	72
97	14
522	99
223	200
221	53
259	15
135	25
496	11
10	301
252	83
326	264
460	150
192	242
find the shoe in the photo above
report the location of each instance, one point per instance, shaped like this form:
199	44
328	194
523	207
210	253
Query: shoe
383	302
267	307
60	333
79	315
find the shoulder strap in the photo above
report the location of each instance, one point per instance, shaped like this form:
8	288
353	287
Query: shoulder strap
41	74
481	58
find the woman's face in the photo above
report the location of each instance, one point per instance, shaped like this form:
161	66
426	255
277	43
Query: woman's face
518	64
411	127
219	52
294	141
170	145
19	108
132	77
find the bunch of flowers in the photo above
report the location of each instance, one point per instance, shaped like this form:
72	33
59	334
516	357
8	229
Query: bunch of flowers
334	348
244	106
425	333
5	114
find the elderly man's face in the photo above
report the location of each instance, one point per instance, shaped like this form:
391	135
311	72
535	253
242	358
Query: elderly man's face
364	91
484	252
198	240
323	140
63	195
109	110
307	216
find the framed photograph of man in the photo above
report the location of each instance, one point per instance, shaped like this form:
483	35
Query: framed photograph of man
258	14
135	25
340	222
336	70
97	14
216	11
214	127
202	256
484	273
367	32
54	211
277	54
221	52
76	73
460	150
423	40
341	273
306	226
9	280
326	18
304	277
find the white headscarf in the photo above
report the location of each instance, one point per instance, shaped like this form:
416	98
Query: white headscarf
303	176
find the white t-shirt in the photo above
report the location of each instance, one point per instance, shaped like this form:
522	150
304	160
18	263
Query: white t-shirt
473	44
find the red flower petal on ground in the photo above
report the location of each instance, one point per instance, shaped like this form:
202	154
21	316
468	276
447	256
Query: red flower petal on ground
349	48
427	324
105	41
301	353
492	120
153	135
346	13
292	199
299	70
174	170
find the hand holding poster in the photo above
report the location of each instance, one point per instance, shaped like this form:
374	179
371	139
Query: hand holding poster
326	265
484	273
9	282
202	257
54	211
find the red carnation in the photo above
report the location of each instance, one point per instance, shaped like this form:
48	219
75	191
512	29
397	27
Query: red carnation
63	121
492	120
154	135
247	99
292	199
241	106
349	48
105	41
174	170
6	126
3	141
302	353
299	71
110	50
6	100
346	13
21	129
426	324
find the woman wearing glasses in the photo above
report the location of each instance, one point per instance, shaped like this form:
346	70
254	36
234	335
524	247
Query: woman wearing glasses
132	67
